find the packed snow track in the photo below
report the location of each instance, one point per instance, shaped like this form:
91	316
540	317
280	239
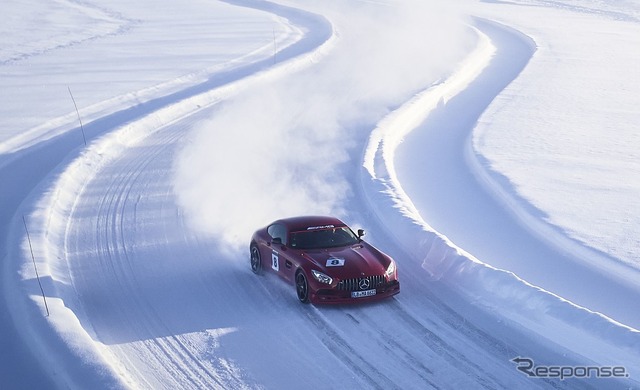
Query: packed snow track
139	299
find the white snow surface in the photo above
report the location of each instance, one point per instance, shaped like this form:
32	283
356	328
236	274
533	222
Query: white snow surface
490	147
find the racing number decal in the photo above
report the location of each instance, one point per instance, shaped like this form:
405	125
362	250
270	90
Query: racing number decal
274	261
335	262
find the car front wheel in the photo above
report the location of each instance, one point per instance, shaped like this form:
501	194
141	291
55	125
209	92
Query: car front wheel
302	287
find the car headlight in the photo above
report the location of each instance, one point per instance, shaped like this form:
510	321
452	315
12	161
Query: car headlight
320	277
391	269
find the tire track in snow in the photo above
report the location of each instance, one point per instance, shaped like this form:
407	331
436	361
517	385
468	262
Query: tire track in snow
403	339
415	354
340	344
112	244
115	243
466	365
341	348
446	351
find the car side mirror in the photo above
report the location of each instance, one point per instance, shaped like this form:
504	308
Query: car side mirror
361	233
277	241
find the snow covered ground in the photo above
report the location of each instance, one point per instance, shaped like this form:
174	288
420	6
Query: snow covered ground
490	147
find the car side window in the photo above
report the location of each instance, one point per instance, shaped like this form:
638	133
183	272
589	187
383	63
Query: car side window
278	231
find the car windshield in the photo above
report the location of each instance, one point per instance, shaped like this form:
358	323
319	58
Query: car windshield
323	238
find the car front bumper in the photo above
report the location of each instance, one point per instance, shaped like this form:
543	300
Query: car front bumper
333	296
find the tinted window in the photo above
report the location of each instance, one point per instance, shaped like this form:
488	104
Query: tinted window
278	231
323	238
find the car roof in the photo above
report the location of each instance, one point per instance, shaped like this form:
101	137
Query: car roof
305	222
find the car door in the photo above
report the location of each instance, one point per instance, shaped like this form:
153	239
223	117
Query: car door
281	262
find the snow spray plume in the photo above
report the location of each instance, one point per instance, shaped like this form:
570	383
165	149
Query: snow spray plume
284	148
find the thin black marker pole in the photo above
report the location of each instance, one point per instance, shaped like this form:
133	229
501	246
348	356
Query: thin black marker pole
33	258
78	112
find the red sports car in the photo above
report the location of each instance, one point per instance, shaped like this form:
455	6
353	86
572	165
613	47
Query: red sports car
324	259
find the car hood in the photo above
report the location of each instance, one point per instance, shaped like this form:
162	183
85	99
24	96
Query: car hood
348	262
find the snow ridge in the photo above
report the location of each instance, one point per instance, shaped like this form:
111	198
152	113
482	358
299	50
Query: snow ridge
69	329
497	291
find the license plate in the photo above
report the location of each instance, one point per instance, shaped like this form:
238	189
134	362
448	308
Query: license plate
360	294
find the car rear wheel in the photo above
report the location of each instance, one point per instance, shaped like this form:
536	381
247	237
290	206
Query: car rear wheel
256	263
302	287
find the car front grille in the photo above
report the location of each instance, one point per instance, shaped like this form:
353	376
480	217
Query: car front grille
357	284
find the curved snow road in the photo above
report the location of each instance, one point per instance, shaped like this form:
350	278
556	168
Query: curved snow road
457	205
433	165
166	308
55	338
172	310
177	312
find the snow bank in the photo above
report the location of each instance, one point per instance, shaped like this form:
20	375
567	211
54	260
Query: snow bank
66	44
66	336
591	335
565	134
